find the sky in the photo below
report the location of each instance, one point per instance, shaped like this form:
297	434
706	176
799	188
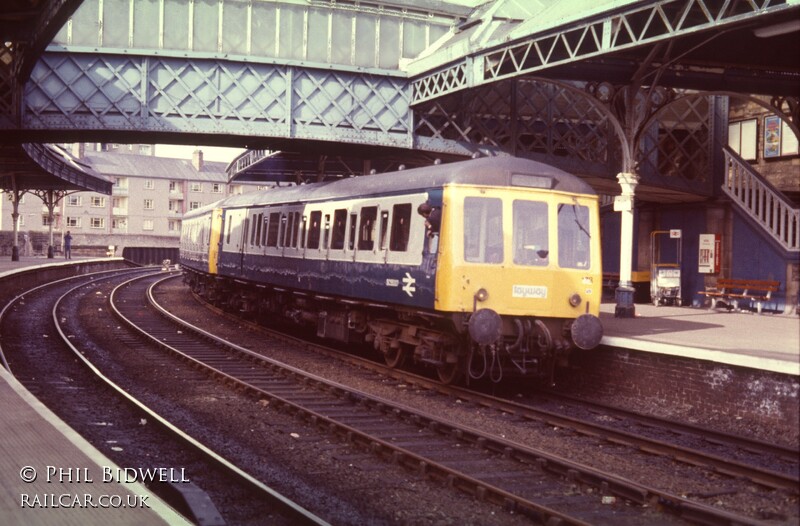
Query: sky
210	153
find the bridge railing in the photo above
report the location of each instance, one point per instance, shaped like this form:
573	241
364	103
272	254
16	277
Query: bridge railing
766	205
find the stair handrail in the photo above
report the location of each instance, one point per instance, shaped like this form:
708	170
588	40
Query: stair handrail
762	202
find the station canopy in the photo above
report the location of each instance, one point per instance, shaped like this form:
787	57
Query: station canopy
46	167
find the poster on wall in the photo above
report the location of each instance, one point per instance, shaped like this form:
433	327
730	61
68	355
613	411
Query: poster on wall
772	136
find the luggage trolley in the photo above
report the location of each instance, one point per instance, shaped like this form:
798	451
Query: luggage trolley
665	276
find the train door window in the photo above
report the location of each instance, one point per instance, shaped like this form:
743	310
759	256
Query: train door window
339	229
296	229
260	229
351	244
483	230
327	238
573	236
401	226
255	235
264	228
530	233
282	230
366	232
228	235
303	229
273	229
288	231
384	228
314	230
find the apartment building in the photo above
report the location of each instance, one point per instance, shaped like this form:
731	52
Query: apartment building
149	197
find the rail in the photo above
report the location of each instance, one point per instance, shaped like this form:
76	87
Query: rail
766	205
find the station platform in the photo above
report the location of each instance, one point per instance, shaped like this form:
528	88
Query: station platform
50	475
769	342
29	262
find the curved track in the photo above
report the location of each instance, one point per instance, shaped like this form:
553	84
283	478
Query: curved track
99	399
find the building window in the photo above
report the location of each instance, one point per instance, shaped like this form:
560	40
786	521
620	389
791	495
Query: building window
74	222
217	188
149	184
148	204
97	222
46	220
194	205
174	186
98	202
174	206
74	200
174	225
147	224
21	220
743	138
119	223
196	187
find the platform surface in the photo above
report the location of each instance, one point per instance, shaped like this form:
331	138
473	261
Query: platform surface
49	475
762	341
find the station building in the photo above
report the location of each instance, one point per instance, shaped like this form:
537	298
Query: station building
149	196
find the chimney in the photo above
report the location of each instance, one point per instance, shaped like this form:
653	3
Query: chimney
78	150
197	160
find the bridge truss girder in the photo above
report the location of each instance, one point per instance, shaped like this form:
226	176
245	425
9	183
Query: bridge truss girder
526	49
124	95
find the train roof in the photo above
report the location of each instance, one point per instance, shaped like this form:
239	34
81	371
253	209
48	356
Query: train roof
487	171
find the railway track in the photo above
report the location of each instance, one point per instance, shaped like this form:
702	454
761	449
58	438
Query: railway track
60	370
515	476
766	464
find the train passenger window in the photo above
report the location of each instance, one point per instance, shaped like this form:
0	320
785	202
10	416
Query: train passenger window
573	236
483	230
282	230
303	227
352	241
259	229
339	229
530	236
401	226
314	230
366	239
273	228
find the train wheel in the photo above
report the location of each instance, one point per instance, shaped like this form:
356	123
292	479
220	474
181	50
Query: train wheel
395	357
449	373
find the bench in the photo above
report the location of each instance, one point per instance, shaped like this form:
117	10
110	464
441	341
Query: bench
731	291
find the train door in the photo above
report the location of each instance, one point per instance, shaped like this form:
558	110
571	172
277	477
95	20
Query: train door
245	230
215	240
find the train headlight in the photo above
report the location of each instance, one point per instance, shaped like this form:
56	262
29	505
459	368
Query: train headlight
575	299
482	295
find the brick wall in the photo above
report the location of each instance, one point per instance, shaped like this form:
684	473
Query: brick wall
699	391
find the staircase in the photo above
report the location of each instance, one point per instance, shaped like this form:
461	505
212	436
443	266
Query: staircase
765	205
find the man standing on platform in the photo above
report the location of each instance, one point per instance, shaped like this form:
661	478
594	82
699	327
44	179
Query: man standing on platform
67	245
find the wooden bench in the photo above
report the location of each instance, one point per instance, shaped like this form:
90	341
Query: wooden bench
731	291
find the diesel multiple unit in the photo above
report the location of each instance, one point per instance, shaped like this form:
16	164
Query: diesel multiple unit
481	269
